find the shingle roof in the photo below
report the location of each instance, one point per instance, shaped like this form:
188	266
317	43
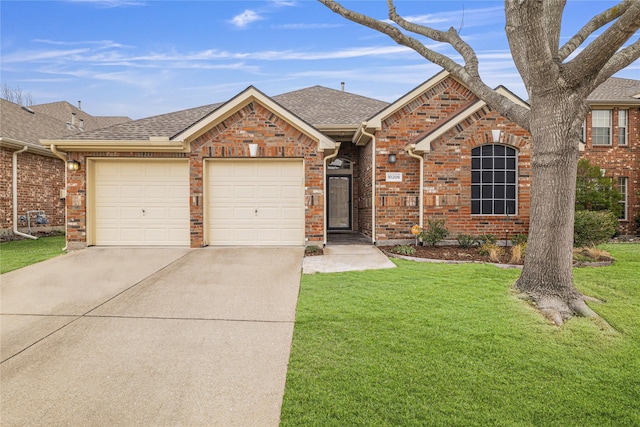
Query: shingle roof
164	125
27	126
617	91
62	110
316	105
323	106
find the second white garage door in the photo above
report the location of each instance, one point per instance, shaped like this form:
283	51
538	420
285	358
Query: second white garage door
255	202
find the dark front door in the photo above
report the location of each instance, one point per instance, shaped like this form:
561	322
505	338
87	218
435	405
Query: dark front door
339	202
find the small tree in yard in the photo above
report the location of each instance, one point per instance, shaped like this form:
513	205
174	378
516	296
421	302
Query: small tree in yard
558	79
595	192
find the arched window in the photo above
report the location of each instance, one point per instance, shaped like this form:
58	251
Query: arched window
494	180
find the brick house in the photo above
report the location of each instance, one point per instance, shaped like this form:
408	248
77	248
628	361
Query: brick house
611	134
294	168
40	173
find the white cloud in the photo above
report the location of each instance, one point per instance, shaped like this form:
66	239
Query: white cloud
110	3
245	18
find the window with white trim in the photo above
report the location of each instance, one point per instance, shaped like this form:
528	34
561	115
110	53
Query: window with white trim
493	180
601	127
622	188
622	127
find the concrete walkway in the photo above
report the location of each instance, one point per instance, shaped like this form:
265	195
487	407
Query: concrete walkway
340	258
148	337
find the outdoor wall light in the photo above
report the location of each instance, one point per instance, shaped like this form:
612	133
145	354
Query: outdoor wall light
73	165
495	135
253	150
392	158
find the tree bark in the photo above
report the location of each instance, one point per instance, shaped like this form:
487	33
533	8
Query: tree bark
547	275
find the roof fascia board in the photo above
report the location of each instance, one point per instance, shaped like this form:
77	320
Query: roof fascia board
249	95
613	104
15	144
424	145
152	145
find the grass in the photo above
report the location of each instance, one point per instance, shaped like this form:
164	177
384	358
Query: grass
20	253
450	345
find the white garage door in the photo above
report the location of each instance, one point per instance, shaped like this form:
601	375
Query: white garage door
141	203
255	202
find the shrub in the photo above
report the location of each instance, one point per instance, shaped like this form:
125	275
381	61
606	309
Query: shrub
494	251
518	252
519	239
435	232
484	239
466	240
404	250
592	228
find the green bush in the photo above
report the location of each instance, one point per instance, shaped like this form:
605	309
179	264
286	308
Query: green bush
485	239
519	239
466	241
435	232
593	228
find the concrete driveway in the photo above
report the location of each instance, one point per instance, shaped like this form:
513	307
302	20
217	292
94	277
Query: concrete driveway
133	337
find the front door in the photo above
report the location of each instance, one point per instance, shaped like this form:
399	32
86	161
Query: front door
339	203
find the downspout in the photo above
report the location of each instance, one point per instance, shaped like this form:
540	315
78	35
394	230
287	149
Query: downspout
410	152
324	180
373	181
15	195
63	157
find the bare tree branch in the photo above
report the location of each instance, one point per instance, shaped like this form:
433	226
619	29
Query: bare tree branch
595	23
451	37
469	77
598	53
620	60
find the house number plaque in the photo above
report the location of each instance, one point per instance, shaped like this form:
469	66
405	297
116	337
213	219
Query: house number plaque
394	177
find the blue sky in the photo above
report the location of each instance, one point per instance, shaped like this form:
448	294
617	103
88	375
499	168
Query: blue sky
141	58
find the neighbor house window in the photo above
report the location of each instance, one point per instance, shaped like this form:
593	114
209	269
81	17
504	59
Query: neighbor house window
493	180
601	127
622	188
622	127
582	128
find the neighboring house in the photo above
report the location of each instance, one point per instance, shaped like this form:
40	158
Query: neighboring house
40	186
612	141
289	169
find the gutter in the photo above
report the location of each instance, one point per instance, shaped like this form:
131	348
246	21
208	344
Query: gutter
15	195
324	180
63	157
373	180
410	151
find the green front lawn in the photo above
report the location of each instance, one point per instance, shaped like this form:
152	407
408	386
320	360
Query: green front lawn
450	345
20	253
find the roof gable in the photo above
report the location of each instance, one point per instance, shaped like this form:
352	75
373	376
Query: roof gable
249	95
423	142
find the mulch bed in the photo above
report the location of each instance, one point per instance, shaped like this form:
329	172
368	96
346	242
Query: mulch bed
456	253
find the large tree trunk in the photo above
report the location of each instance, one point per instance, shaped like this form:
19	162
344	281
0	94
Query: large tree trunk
547	276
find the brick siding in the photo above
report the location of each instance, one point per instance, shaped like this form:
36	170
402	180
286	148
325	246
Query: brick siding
40	179
619	160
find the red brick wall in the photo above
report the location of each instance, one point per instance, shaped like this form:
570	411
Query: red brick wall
448	177
363	202
447	168
40	179
276	139
619	160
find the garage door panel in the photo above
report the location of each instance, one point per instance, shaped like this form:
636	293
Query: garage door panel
244	192
141	202
265	186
